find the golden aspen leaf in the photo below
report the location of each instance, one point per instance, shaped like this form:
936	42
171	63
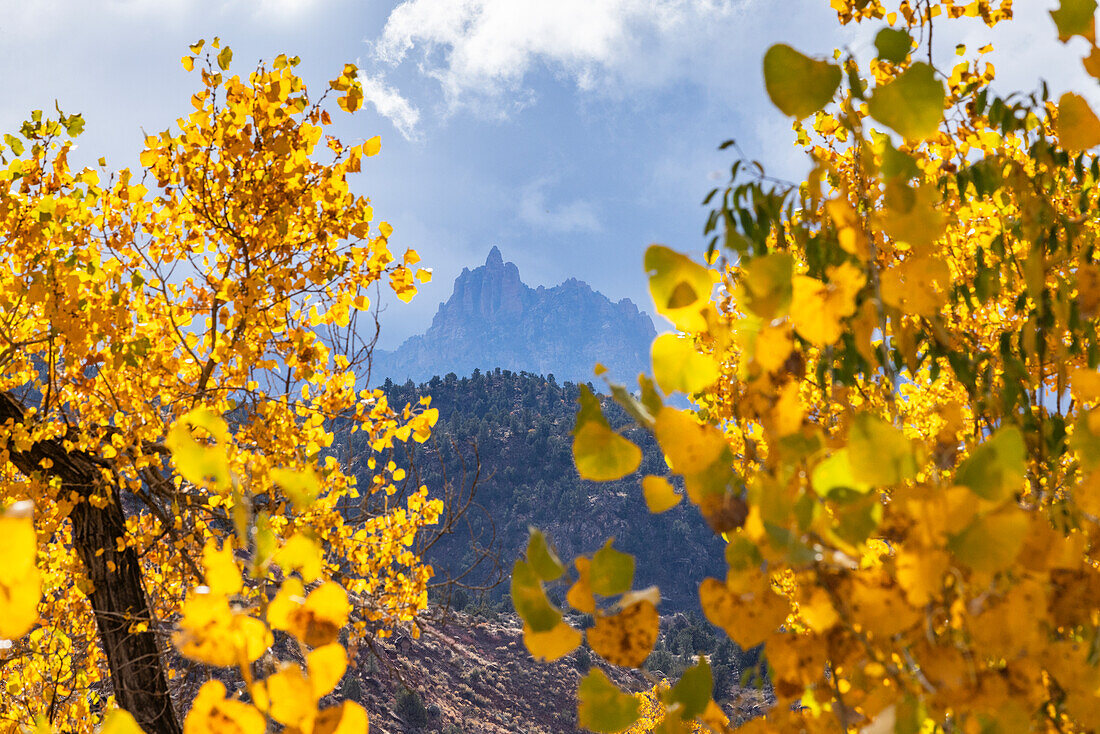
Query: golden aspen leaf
580	595
611	572
20	581
554	643
326	665
766	285
541	557
600	453
918	286
626	638
302	487
911	104
317	619
188	62
817	308
1078	127
221	571
748	613
848	228
996	468
689	446
879	454
788	413
773	347
659	494
920	573
678	367
345	718
817	611
529	599
992	542
798	85
210	631
1092	63
680	287
1084	385
372	146
912	215
880	608
602	707
225	57
198	463
119	721
301	553
1075	18
286	696
212	712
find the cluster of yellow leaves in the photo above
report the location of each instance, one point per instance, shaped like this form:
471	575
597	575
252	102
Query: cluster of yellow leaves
137	309
896	383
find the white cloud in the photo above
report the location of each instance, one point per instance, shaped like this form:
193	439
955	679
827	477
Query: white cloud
390	104
576	216
485	48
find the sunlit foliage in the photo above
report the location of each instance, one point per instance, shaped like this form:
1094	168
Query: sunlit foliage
177	346
894	367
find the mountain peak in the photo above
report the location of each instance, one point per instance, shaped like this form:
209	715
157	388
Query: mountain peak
493	319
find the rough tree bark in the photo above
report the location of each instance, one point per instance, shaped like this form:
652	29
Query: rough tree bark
118	592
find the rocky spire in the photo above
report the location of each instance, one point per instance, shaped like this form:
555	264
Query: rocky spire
495	258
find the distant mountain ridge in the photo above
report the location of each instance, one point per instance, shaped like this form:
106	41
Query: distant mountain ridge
493	319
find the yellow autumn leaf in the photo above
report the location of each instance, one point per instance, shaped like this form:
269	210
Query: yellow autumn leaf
552	644
626	638
773	347
817	308
119	721
286	696
303	554
659	494
326	665
212	713
222	573
372	146
679	367
1078	127
317	619
345	718
689	445
20	581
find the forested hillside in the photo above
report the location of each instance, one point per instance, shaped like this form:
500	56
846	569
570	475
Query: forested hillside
513	431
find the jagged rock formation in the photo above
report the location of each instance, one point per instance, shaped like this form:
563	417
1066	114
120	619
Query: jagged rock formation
493	319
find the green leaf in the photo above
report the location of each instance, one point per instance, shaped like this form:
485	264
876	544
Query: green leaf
225	57
611	572
836	473
529	599
798	85
893	45
992	542
1075	18
541	557
602	707
678	367
601	454
693	690
911	104
996	469
1085	442
879	453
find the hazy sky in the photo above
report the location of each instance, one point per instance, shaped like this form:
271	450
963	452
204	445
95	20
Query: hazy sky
571	133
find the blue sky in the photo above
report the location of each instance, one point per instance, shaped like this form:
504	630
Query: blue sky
571	133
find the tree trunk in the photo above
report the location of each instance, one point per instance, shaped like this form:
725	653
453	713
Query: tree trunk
118	592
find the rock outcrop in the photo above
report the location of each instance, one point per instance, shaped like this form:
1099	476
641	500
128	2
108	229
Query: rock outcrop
493	319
